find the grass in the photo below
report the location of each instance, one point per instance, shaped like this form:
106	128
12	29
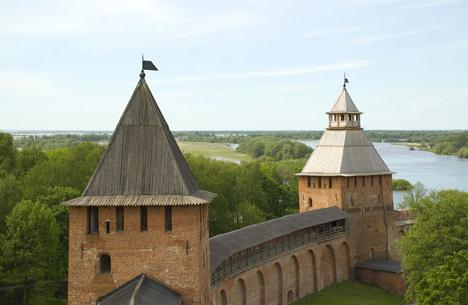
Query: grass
218	151
351	293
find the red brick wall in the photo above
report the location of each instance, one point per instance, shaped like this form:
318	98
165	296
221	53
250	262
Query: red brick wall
367	199
179	259
391	282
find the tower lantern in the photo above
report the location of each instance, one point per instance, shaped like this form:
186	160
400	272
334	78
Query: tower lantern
344	114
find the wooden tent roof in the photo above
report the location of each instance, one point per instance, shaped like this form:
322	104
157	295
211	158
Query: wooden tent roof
141	290
344	104
142	161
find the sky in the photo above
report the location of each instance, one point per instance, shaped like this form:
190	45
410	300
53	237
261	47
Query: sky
234	65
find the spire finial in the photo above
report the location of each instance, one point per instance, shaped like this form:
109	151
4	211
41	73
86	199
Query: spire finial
142	73
345	81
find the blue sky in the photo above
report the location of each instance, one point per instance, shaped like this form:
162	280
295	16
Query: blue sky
234	65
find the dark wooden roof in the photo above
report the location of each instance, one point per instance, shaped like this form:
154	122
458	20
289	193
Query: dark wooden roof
224	245
381	265
141	290
142	158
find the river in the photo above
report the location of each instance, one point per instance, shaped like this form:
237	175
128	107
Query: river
434	171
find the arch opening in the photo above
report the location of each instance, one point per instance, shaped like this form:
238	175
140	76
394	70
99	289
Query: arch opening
290	296
261	286
279	283
296	276
328	266
345	261
223	295
313	266
239	296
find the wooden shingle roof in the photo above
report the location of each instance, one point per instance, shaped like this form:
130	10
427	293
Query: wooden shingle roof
142	161
344	104
222	246
345	153
141	290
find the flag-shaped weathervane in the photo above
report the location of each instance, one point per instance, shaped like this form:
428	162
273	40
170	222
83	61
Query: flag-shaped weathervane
146	65
345	81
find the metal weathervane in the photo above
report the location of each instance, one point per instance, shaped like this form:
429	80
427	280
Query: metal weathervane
146	65
345	80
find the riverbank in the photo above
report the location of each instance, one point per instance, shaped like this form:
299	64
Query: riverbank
461	153
218	151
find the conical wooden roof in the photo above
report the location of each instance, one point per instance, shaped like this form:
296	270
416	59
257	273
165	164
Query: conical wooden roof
142	161
344	104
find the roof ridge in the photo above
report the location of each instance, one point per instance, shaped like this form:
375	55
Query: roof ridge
137	287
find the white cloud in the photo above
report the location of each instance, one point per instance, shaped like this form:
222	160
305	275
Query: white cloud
163	19
23	84
370	38
271	73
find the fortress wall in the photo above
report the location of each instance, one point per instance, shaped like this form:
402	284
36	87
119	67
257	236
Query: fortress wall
288	277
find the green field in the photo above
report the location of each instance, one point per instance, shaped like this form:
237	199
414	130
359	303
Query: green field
351	293
218	151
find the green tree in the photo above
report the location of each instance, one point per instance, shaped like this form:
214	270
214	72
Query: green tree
27	158
247	193
435	250
401	185
248	214
412	199
53	199
10	194
66	167
274	148
29	250
7	152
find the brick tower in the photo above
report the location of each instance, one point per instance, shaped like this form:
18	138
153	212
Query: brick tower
346	171
140	228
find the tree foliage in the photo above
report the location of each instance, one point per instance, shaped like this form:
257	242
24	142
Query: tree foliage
10	194
30	250
248	193
33	224
274	148
412	199
66	167
401	185
7	153
451	145
435	250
